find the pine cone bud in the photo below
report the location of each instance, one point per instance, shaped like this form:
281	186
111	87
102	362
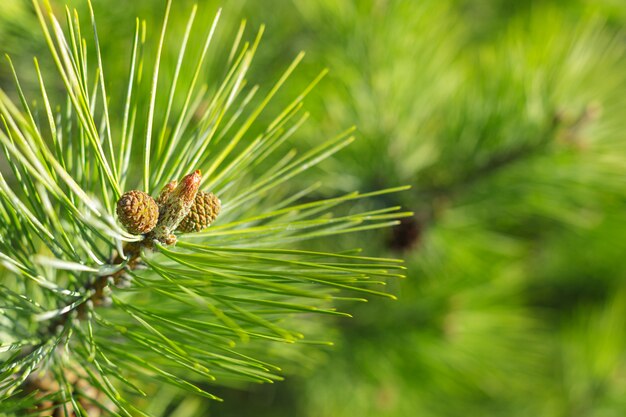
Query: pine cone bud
138	212
175	202
203	212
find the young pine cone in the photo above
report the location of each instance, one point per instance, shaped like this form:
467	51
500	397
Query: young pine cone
175	202
203	212
138	212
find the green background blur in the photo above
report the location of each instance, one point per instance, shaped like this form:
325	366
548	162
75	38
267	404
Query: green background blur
508	118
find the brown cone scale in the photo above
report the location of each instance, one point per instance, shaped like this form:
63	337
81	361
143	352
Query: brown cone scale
204	211
138	212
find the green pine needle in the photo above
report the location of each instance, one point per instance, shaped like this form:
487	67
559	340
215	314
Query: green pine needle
206	310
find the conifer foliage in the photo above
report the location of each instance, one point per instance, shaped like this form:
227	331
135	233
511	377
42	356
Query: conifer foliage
113	273
507	117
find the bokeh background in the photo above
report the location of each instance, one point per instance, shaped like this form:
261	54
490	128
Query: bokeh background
508	118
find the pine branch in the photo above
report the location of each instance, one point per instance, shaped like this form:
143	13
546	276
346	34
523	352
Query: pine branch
186	304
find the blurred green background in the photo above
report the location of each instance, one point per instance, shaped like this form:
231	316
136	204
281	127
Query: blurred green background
508	118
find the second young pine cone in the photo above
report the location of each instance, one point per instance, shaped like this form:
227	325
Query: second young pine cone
203	212
138	212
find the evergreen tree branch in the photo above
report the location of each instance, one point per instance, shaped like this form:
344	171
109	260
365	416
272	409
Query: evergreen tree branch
184	307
